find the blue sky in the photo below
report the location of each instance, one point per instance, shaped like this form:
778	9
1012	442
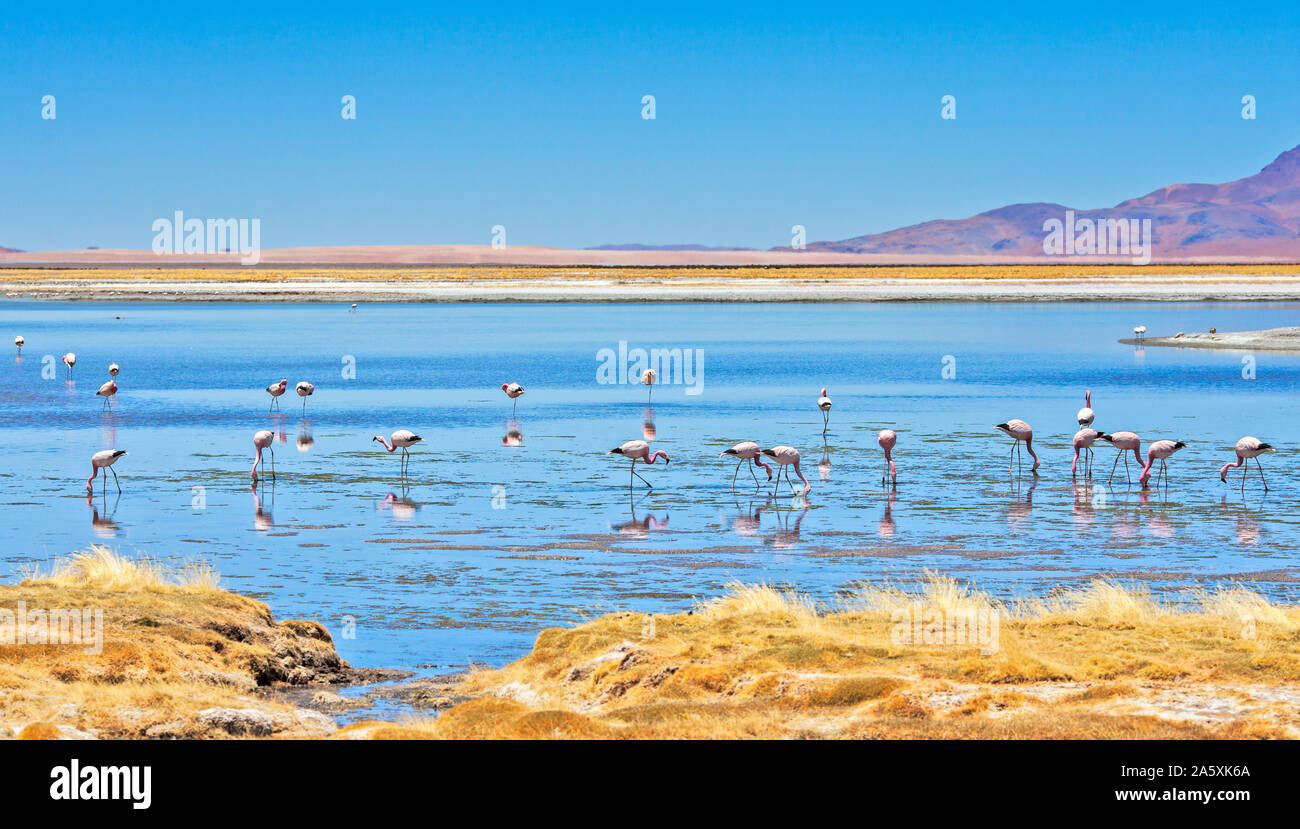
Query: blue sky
767	116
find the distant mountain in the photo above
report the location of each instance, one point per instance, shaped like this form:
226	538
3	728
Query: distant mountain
634	246
1254	216
10	250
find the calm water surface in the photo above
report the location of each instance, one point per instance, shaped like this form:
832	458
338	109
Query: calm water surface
488	542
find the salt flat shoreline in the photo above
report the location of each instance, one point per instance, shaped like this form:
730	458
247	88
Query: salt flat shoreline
1269	339
708	287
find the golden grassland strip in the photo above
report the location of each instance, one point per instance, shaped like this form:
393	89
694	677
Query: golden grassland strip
14	276
1104	662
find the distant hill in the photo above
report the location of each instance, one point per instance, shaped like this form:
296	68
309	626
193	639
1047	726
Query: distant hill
1256	216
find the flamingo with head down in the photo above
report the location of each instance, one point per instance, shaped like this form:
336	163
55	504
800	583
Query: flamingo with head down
1247	448
747	450
637	450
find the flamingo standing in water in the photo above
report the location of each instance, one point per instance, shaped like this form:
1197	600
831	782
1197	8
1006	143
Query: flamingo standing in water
513	391
1086	414
107	391
637	450
1159	451
787	456
275	390
887	439
1124	442
1140	332
1018	431
401	439
1247	448
648	378
263	440
113	369
69	360
1083	441
824	403
104	460
18	341
747	450
304	390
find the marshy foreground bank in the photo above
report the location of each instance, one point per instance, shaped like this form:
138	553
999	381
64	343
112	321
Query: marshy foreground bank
587	283
180	657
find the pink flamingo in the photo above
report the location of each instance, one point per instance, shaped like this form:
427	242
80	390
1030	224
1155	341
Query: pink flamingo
1247	448
514	391
275	390
1159	451
824	403
648	378
887	439
1083	441
113	369
107	391
637	450
1086	415
263	440
1124	442
401	439
1018	431
104	459
69	360
747	450
305	390
787	456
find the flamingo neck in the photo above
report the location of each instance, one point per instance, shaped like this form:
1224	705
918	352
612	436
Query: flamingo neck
651	459
386	444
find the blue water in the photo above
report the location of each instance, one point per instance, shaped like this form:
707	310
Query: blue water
488	542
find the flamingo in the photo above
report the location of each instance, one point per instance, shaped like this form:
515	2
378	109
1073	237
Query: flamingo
1247	448
263	440
1086	415
304	390
1019	430
637	450
1159	451
107	391
887	439
113	369
1140	332
104	460
69	360
18	341
747	450
1083	441
824	403
648	378
275	390
401	439
513	391
787	456
1124	442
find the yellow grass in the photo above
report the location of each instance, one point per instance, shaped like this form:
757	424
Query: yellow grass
173	645
104	569
1105	661
579	273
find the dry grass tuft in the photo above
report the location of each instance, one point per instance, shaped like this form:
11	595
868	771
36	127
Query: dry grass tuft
104	569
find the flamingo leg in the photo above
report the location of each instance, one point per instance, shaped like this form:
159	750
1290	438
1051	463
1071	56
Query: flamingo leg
1260	467
272	448
733	477
119	485
754	475
1116	466
632	468
826	421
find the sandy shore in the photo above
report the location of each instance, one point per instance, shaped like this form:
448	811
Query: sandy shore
703	285
1270	339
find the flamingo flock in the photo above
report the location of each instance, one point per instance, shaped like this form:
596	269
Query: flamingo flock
783	457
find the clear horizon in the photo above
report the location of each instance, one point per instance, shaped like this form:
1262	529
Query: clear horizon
766	117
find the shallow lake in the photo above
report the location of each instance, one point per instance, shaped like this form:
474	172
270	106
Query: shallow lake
508	524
